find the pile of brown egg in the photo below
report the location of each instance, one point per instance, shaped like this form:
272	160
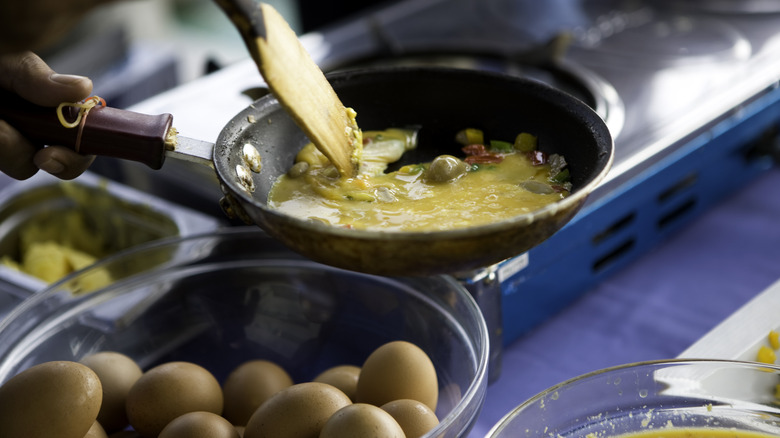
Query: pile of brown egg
394	395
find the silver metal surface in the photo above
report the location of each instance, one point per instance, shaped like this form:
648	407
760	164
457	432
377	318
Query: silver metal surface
744	332
121	215
192	150
723	6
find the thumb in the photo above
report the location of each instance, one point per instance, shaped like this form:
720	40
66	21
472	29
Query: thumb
30	77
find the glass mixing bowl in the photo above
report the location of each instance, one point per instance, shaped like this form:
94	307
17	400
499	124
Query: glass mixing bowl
651	396
227	297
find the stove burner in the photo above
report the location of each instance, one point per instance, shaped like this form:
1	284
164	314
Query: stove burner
572	79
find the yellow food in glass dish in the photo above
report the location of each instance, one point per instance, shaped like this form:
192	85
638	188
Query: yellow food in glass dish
683	432
52	247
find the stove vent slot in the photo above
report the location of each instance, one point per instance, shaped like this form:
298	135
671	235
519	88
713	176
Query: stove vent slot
614	255
766	145
614	229
678	212
677	200
679	187
618	239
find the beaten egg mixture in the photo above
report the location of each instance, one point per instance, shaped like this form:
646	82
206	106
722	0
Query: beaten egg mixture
696	433
495	181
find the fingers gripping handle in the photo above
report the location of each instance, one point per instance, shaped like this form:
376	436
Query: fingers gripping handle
105	131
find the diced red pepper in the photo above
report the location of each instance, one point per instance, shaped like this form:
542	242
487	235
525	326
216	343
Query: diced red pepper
479	154
483	159
475	149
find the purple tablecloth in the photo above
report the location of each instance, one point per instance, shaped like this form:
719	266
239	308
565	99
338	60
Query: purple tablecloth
656	307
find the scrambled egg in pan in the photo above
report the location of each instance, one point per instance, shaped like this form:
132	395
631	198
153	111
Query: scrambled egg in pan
495	180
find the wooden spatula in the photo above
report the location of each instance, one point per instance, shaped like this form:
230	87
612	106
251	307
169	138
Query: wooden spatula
297	82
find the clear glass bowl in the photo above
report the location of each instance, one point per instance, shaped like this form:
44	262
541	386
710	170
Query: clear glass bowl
234	295
652	395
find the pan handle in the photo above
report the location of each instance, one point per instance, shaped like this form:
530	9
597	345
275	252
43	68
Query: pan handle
104	131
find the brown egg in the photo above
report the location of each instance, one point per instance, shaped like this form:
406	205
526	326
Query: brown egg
299	411
415	418
53	399
168	391
343	377
398	370
96	431
199	425
117	374
361	420
249	385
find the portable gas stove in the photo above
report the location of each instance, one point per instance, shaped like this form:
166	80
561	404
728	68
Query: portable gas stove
688	88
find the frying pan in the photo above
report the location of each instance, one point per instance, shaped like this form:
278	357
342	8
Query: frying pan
440	100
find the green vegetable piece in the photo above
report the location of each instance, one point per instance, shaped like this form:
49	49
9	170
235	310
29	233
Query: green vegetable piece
445	168
501	146
557	163
525	142
482	166
470	136
537	187
561	177
412	169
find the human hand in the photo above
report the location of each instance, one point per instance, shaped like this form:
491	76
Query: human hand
31	78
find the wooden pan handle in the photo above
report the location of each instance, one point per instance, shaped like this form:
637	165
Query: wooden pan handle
106	131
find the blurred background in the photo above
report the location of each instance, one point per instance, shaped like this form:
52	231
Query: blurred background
136	49
681	234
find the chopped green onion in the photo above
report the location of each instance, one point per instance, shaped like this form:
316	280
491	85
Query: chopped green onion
482	166
561	177
412	169
501	146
